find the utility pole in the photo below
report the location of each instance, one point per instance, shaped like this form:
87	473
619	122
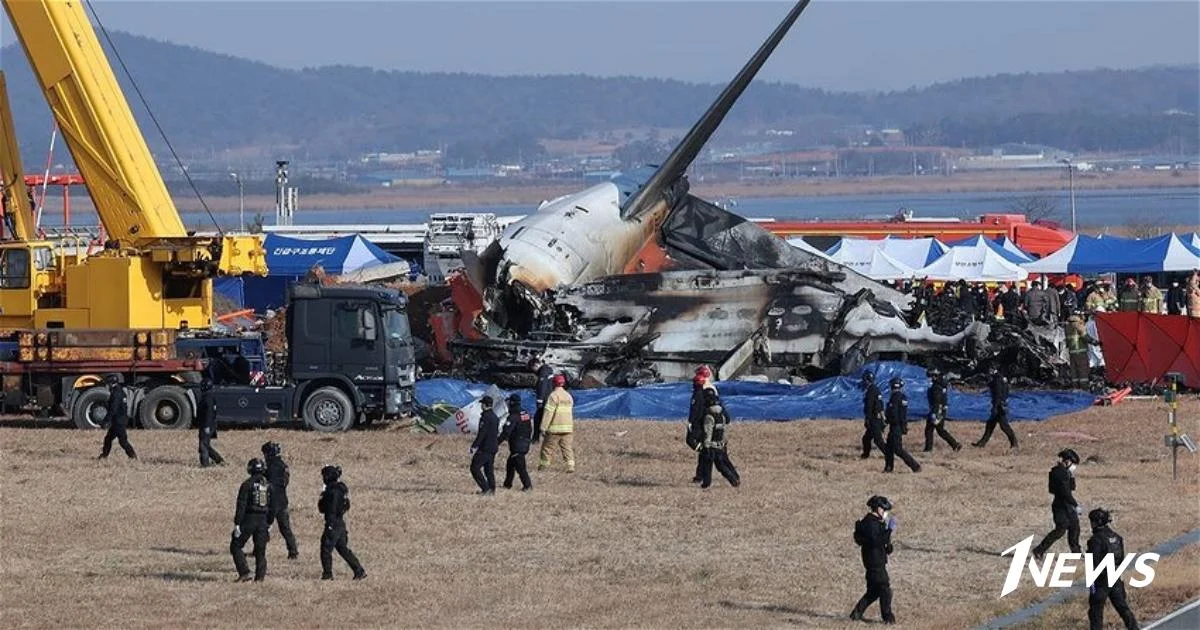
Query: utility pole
1071	183
241	200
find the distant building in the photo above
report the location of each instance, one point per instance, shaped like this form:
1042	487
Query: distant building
1013	156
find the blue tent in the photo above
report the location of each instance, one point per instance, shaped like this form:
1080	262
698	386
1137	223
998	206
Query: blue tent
290	259
1002	246
232	289
344	254
1089	254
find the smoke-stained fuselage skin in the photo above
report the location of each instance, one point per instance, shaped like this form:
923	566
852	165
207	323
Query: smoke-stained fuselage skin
671	321
693	313
575	239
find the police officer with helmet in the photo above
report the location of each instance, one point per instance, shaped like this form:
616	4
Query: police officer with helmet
873	533
252	520
117	415
897	419
938	396
1105	541
1064	508
206	419
279	477
334	503
998	388
872	416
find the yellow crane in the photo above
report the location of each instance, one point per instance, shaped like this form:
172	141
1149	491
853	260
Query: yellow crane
29	269
152	274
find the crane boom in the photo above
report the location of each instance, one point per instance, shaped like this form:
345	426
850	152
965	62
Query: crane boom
95	119
152	274
14	194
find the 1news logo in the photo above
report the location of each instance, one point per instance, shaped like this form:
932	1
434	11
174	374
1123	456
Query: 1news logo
1057	570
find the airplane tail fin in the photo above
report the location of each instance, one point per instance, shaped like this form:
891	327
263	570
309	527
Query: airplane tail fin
686	151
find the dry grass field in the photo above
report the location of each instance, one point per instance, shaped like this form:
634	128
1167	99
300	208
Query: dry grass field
626	541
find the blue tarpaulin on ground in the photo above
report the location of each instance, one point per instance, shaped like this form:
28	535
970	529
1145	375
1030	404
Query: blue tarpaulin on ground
838	398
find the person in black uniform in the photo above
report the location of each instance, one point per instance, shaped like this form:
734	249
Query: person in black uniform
252	520
998	388
695	429
1064	508
874	535
206	417
518	432
334	503
981	302
542	388
939	401
1103	542
278	476
483	449
872	416
1176	299
897	419
117	415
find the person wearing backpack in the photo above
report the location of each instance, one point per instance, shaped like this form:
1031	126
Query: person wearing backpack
695	428
252	520
714	444
334	503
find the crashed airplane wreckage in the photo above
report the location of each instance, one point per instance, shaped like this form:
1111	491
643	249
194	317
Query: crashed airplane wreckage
635	281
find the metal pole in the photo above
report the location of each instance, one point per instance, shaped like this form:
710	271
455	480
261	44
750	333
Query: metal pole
242	204
1071	179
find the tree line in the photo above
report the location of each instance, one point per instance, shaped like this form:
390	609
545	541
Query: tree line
211	104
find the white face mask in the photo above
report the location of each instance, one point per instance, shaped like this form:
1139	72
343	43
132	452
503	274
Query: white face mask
1071	468
885	515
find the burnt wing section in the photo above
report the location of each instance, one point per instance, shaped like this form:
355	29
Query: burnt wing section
699	234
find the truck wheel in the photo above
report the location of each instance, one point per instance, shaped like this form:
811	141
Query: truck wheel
90	410
166	407
328	410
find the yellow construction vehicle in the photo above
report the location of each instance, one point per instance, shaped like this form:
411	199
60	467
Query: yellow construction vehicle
151	274
27	266
139	306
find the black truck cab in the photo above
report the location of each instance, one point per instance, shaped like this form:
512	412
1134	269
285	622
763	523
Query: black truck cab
350	358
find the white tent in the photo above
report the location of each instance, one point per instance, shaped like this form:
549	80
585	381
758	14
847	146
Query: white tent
974	263
801	244
913	253
872	263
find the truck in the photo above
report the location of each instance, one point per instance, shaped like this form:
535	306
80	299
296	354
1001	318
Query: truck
141	305
350	362
61	372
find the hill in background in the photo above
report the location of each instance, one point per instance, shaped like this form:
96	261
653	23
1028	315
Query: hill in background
215	106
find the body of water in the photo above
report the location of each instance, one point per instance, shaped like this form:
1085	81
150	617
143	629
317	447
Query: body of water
1094	208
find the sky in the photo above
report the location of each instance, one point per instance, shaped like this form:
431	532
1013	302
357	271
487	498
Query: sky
836	44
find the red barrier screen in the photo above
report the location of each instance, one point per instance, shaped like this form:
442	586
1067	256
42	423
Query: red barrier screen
1141	348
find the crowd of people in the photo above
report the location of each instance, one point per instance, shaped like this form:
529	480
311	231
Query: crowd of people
1043	303
262	499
